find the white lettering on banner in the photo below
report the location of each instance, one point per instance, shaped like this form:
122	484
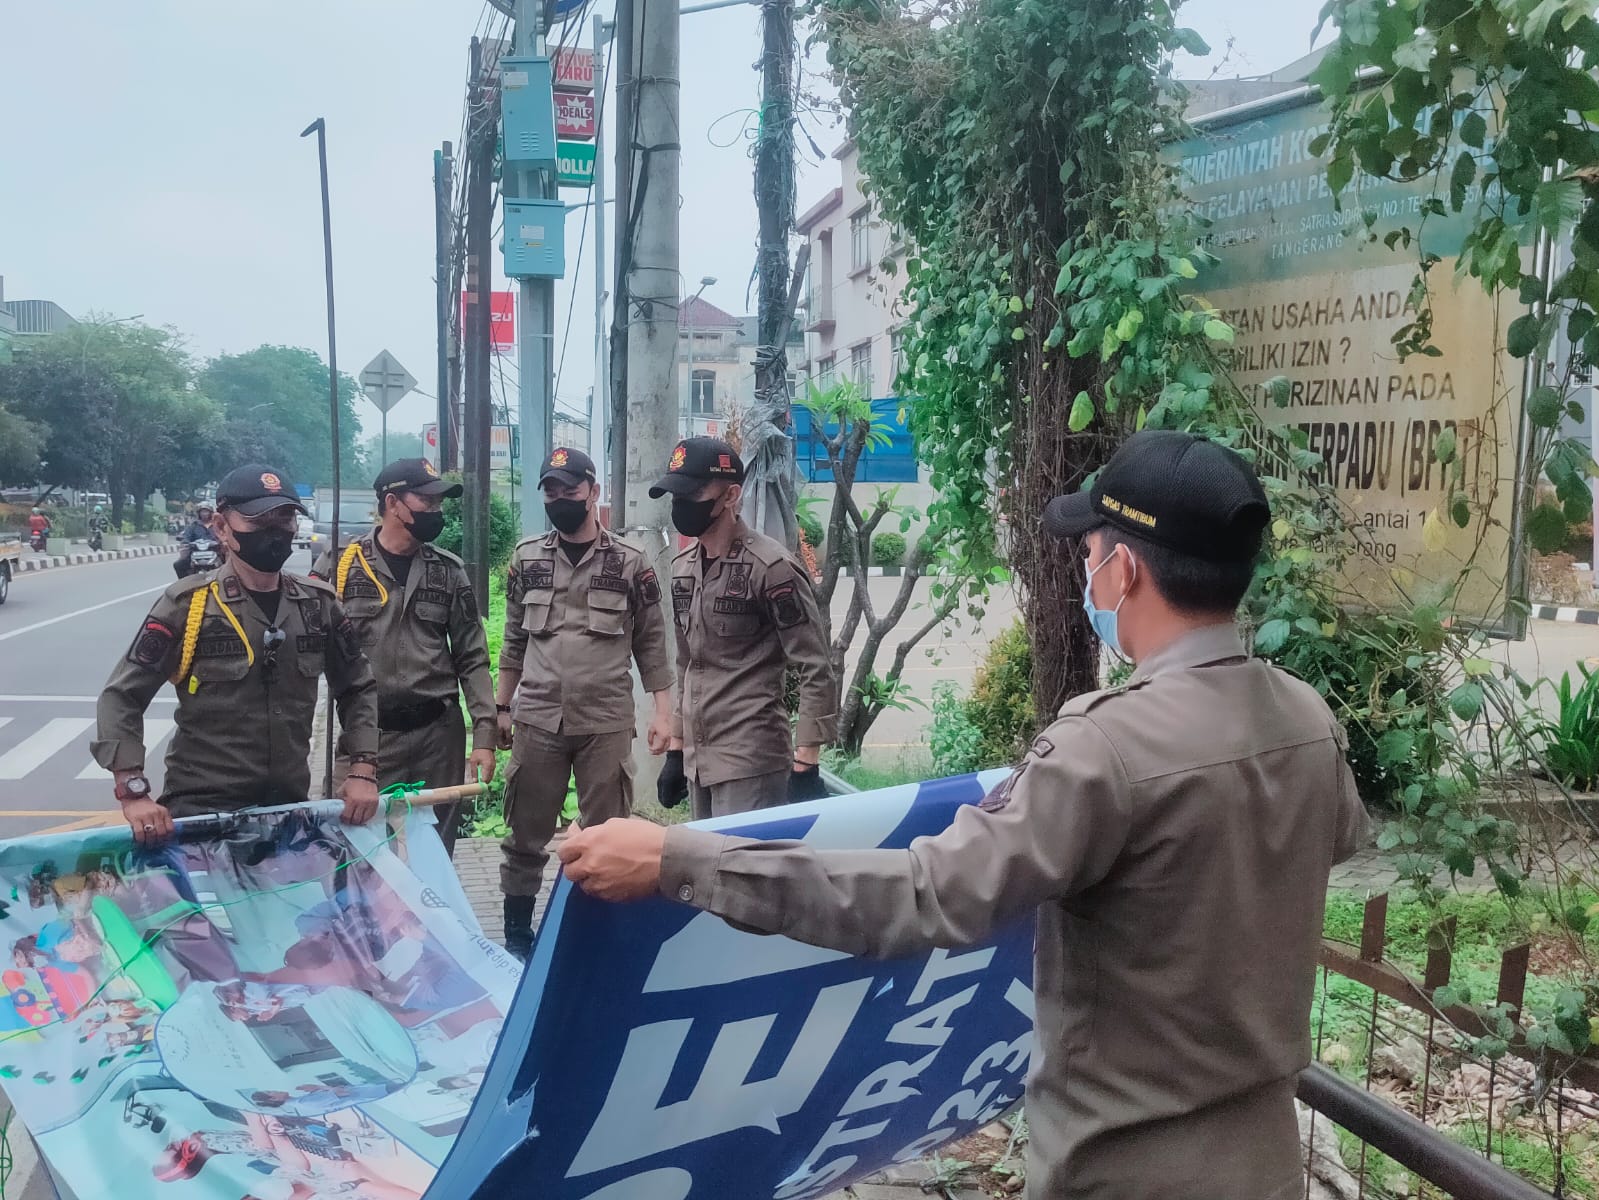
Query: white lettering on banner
708	951
634	1124
891	1084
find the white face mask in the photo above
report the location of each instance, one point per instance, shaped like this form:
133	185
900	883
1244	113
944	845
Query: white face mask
1103	621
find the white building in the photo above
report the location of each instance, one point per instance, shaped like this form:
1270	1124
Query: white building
852	322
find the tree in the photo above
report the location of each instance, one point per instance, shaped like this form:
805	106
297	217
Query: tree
119	403
1013	142
21	443
401	445
865	695
275	410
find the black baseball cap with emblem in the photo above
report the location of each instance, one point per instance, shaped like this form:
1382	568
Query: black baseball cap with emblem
570	467
414	475
254	489
695	462
1183	492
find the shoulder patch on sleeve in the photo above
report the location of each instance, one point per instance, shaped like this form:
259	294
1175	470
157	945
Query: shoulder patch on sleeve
152	645
787	611
649	586
999	795
348	639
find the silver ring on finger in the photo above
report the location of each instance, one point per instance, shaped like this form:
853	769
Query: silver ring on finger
148	828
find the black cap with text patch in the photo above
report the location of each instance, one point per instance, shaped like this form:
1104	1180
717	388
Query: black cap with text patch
254	489
1183	492
414	475
697	461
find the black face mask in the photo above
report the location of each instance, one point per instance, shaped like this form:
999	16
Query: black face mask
425	526
692	517
265	549
567	516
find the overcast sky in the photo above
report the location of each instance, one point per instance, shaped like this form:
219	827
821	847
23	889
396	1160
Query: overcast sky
150	164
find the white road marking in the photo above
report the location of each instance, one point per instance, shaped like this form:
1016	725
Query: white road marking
155	732
11	633
28	754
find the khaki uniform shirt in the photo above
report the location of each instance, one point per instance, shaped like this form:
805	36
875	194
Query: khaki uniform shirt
1175	836
572	630
739	623
244	727
425	642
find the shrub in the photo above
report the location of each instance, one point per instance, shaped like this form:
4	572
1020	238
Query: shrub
956	743
1001	702
503	527
888	549
810	527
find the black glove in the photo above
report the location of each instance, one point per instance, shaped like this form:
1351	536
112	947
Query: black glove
805	783
671	789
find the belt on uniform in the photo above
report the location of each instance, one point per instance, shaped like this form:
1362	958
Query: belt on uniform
403	718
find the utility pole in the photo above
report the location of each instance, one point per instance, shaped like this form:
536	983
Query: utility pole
443	190
598	422
652	289
535	333
770	495
476	428
621	305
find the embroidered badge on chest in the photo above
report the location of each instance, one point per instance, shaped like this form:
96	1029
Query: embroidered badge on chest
738	580
613	565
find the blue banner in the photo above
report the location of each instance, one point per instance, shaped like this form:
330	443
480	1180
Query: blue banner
656	1053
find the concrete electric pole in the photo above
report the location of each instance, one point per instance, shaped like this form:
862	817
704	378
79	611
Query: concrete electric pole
477	427
652	291
443	190
536	309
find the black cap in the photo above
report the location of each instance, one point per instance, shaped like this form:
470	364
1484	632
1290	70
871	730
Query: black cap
571	467
414	475
696	461
1174	489
255	489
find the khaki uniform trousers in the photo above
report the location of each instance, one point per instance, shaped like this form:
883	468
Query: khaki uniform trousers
739	795
535	792
434	756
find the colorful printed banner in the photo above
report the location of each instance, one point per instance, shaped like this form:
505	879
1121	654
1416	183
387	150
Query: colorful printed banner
279	1007
656	1053
275	1007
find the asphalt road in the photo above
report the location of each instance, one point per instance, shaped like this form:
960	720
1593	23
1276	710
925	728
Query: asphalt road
61	632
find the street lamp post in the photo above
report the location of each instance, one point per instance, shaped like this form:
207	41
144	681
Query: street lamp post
688	402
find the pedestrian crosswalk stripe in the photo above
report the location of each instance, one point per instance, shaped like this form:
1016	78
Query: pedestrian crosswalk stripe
30	753
156	731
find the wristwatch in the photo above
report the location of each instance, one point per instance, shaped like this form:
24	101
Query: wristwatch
136	787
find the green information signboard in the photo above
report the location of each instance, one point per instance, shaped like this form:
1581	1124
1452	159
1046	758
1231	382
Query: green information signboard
575	163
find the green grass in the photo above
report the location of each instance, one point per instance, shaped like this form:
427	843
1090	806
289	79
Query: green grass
911	767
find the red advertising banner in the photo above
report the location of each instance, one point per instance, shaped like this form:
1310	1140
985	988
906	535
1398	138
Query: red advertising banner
574	70
502	321
574	115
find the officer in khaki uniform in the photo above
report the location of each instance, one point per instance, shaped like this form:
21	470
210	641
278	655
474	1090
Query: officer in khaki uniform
744	610
581	606
243	646
1174	834
421	631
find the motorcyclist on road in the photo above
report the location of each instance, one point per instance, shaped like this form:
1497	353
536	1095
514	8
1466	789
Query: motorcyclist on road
199	530
97	520
38	526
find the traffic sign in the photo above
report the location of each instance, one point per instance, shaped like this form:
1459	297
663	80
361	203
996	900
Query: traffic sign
385	381
574	114
574	163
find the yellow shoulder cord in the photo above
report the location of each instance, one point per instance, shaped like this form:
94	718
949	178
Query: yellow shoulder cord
191	632
353	555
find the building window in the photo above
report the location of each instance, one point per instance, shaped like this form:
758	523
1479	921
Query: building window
824	373
793	383
896	342
860	248
702	393
860	368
